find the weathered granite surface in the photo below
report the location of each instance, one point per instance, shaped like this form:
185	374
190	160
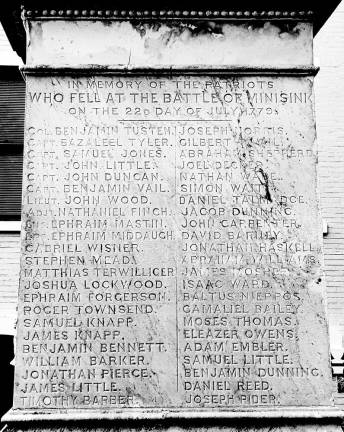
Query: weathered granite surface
171	252
194	425
172	249
170	43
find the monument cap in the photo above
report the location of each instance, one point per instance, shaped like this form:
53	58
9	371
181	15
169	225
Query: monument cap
10	13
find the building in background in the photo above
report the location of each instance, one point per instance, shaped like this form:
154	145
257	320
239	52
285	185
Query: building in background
329	103
12	96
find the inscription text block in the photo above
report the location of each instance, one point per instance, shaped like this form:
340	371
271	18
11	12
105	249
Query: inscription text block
171	245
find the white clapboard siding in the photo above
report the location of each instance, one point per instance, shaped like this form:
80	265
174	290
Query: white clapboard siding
9	277
329	99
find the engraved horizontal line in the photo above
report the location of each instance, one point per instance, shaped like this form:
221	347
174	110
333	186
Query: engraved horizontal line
156	70
175	120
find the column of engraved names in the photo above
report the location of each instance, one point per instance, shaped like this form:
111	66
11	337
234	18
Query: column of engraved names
244	261
91	297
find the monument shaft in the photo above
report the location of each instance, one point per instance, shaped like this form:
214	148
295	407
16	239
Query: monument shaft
172	251
171	248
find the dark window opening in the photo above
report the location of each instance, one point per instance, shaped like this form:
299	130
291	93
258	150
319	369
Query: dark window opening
12	102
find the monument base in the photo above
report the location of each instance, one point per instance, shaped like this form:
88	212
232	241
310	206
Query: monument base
261	421
143	414
300	419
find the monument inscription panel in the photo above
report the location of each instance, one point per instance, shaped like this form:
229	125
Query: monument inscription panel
171	252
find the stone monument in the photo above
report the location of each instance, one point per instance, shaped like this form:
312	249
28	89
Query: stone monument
171	245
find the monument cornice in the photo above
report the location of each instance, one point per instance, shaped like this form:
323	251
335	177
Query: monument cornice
11	14
164	14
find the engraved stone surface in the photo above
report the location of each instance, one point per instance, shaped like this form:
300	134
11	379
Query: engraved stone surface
171	245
